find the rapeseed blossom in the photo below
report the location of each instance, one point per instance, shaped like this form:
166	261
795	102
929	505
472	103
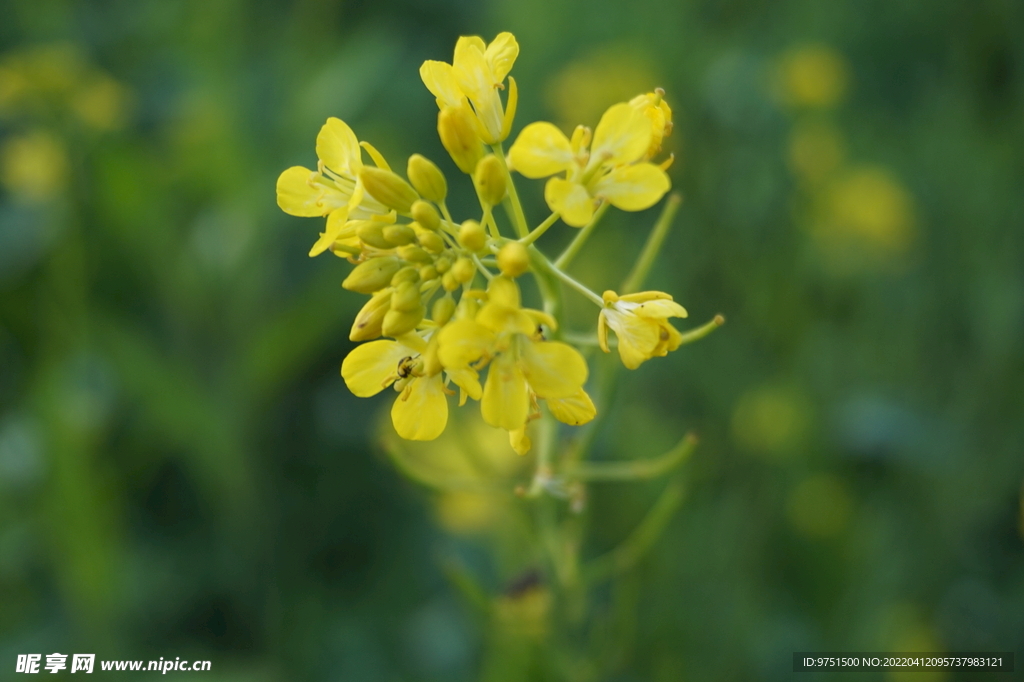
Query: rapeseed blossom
445	315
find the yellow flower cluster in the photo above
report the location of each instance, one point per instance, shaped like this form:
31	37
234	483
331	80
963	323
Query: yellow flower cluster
444	293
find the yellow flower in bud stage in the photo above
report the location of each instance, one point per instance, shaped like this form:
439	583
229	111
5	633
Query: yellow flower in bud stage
523	366
410	363
656	109
613	170
334	189
640	321
477	72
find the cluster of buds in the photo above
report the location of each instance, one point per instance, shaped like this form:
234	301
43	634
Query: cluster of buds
444	303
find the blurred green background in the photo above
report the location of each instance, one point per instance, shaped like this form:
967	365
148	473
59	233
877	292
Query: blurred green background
184	473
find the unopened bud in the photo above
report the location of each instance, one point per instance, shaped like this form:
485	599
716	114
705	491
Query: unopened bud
426	215
489	179
407	274
372	234
387	188
431	241
443	310
368	322
449	282
414	254
406	298
397	322
458	135
472	236
463	270
513	260
399	235
372	275
442	264
427	178
428	272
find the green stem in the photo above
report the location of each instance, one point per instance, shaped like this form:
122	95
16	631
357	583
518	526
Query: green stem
512	203
635	470
580	239
541	229
702	331
653	246
598	301
640	541
489	222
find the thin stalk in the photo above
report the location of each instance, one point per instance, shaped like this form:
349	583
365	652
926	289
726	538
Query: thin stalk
540	229
636	470
598	301
512	203
488	222
653	246
702	331
580	239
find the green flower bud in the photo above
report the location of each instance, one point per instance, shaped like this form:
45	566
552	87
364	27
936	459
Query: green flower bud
472	236
513	260
409	273
449	282
443	310
406	298
372	275
427	178
428	272
443	264
426	215
458	135
368	322
388	188
397	322
414	254
399	235
372	234
463	270
489	179
431	241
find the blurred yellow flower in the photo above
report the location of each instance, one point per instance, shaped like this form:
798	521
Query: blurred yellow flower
870	204
608	171
467	512
813	76
581	90
34	167
640	321
820	506
771	421
816	150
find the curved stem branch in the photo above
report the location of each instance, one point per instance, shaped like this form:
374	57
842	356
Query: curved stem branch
580	239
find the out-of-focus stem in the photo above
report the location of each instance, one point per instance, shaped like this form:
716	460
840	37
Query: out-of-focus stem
580	239
634	470
540	229
512	204
653	246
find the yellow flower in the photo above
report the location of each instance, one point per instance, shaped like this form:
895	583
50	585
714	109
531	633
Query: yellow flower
657	111
612	170
640	321
334	189
421	410
477	72
523	366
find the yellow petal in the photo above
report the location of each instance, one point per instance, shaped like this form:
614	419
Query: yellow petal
660	309
633	188
468	380
575	410
335	226
440	80
505	402
372	367
421	411
501	55
541	150
519	441
510	108
464	43
570	200
622	136
476	80
554	369
637	337
295	194
463	342
640	296
338	147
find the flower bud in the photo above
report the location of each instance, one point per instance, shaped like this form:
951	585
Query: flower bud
472	236
414	254
442	264
428	272
406	298
443	310
513	260
426	215
368	322
372	275
489	179
463	270
399	235
449	282
388	188
431	241
427	178
397	322
458	135
372	234
407	274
